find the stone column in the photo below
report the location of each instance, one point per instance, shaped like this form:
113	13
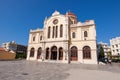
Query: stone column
80	56
35	55
65	56
49	54
42	56
57	54
28	54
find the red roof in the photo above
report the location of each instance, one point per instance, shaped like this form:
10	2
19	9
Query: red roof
2	49
71	14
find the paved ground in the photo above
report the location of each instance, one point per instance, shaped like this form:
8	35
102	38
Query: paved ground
32	70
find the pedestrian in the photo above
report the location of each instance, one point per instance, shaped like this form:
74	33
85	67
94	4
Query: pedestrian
110	61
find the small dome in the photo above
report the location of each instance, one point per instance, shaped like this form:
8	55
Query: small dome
71	14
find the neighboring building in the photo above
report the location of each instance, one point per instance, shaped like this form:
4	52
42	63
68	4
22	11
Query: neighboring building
63	39
21	49
115	46
10	45
15	47
6	55
105	47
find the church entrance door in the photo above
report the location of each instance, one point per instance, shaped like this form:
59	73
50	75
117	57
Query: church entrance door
54	53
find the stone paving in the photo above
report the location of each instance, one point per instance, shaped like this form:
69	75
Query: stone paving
33	70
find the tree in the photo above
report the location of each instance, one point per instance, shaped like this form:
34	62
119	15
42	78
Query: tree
21	55
101	53
110	55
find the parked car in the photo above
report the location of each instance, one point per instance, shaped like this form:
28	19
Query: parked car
104	60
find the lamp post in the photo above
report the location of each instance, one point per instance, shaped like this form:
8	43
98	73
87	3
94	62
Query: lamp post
69	40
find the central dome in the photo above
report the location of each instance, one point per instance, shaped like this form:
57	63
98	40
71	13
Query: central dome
71	14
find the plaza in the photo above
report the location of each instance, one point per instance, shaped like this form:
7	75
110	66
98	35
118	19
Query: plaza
58	40
33	70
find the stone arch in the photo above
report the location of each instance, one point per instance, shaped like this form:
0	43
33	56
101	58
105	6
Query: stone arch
41	37
85	34
86	52
39	52
33	38
49	31
60	53
32	51
54	53
74	53
73	35
61	30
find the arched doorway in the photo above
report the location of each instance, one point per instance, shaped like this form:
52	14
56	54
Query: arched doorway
60	53
39	51
47	53
54	53
32	51
86	52
74	53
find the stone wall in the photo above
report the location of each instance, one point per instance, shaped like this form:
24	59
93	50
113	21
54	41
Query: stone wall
7	56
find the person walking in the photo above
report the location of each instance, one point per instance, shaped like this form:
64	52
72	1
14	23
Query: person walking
110	61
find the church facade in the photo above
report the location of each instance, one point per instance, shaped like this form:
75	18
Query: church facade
63	39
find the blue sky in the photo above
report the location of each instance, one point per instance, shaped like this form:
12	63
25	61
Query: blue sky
17	17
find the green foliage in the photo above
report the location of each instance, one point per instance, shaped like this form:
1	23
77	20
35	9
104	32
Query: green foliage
21	55
110	55
101	53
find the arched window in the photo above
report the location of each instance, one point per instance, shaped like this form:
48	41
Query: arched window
56	31
61	30
86	52
54	53
34	38
47	53
60	53
74	53
85	34
32	52
39	51
73	35
53	32
40	37
49	32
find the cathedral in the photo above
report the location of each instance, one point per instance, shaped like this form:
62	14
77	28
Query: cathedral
63	39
